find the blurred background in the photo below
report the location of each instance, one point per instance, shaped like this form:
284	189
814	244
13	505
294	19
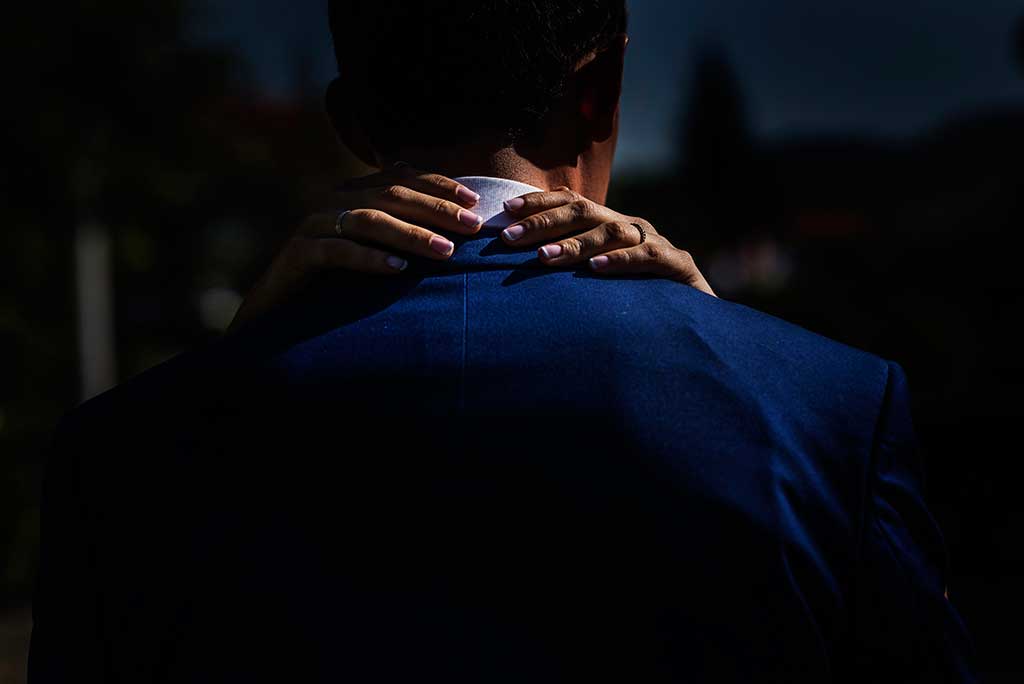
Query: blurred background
854	167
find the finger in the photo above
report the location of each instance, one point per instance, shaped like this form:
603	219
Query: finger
416	207
380	228
300	259
338	253
655	259
574	217
535	202
433	184
605	238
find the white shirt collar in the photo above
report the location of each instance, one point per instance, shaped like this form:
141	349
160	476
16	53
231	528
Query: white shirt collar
493	193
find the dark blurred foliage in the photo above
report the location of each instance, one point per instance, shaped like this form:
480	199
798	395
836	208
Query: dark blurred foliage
717	154
120	124
116	121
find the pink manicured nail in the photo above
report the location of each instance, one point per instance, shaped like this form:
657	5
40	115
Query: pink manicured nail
467	195
598	262
441	246
469	219
396	263
514	204
514	232
551	251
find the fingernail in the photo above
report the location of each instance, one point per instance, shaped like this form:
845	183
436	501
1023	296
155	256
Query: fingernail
469	219
467	195
551	251
514	232
514	204
598	262
396	263
441	246
400	165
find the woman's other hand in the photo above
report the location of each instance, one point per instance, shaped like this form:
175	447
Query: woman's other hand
386	210
612	243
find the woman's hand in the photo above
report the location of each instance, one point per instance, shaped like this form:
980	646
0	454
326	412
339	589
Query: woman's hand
613	243
385	209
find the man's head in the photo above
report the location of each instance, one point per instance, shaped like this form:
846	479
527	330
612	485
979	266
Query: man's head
470	77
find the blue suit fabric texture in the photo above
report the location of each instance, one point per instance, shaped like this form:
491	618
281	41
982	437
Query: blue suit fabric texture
489	470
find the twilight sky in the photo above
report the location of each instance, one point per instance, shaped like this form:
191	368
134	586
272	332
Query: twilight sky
877	67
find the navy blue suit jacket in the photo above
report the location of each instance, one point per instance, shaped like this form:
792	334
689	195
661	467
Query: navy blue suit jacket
491	471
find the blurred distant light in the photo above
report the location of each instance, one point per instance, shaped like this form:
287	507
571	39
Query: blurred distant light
217	306
95	293
757	265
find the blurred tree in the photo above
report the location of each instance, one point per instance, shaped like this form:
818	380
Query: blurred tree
716	151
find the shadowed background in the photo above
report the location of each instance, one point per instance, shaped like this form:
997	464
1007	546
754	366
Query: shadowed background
850	166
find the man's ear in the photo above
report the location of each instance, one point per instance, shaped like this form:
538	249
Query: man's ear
600	87
346	124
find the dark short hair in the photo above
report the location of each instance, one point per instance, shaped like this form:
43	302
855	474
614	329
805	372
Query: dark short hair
434	74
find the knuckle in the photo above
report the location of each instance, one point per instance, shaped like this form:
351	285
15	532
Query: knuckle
619	232
686	259
443	207
369	216
653	251
572	247
394	193
535	199
580	209
436	179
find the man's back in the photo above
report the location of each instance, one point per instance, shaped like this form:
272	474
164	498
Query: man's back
492	471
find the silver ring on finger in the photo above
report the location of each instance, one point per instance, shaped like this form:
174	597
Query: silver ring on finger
339	223
643	233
